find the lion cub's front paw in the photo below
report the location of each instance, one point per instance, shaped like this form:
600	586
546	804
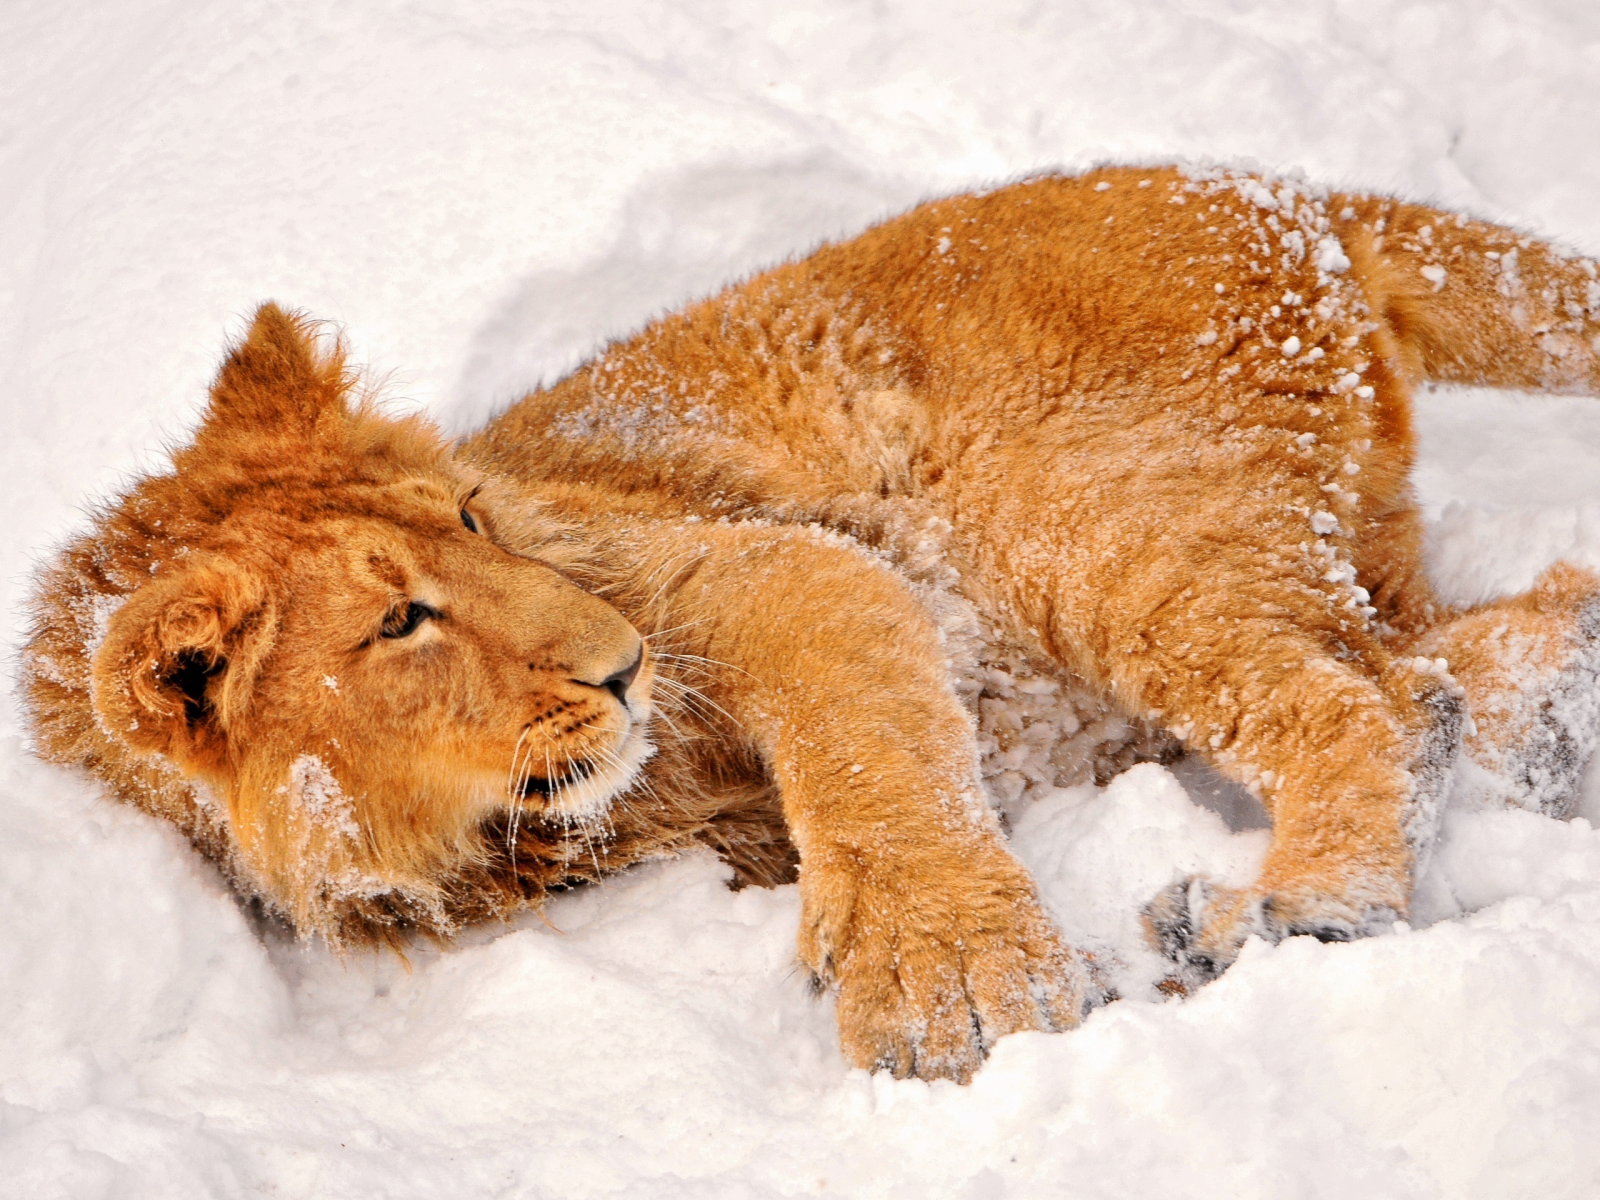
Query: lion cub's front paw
1201	925
930	978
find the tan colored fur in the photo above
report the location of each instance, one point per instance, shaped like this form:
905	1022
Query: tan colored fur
1138	437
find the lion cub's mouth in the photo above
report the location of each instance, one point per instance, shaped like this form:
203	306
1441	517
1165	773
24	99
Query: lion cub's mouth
585	787
534	786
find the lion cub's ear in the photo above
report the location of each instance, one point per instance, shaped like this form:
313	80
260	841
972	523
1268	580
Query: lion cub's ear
279	381
179	660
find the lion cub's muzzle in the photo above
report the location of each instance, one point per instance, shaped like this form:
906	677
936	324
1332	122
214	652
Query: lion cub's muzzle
587	739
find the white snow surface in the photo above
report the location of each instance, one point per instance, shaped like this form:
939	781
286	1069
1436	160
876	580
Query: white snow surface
482	194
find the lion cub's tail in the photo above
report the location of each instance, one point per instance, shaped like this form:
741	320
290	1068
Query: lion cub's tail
1475	303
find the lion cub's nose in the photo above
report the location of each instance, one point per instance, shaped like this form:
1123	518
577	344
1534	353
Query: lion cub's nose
617	683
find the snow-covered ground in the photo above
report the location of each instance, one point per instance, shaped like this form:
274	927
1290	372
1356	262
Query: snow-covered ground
481	193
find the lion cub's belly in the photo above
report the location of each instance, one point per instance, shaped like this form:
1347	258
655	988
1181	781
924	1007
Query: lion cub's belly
1041	728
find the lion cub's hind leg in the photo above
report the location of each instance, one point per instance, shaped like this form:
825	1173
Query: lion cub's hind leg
1361	790
1353	772
1349	749
1530	666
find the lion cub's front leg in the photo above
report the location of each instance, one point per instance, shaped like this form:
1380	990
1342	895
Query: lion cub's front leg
933	966
913	907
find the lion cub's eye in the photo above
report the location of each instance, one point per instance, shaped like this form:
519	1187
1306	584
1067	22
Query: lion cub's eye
466	519
403	621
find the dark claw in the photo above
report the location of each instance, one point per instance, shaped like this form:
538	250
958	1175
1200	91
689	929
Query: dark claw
1169	921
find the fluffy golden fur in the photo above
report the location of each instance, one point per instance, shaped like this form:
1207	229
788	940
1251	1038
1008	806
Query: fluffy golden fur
1111	462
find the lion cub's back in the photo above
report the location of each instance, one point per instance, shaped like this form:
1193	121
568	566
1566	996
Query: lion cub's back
1057	314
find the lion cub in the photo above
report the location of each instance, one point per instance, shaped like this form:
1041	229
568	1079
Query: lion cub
762	575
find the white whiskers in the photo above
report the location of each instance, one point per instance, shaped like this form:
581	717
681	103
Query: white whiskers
514	784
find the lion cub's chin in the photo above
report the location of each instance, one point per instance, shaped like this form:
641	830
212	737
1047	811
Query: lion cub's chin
589	798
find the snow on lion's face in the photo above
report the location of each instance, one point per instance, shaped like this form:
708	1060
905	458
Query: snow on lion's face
327	635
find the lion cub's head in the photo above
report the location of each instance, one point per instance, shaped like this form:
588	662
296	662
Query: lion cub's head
313	618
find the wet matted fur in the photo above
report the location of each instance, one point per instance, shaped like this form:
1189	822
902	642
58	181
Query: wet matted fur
1012	490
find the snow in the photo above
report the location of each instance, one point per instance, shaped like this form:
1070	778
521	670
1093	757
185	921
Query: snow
482	194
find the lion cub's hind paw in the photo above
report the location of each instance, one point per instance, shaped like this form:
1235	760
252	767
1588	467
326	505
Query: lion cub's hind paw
1201	925
1179	923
